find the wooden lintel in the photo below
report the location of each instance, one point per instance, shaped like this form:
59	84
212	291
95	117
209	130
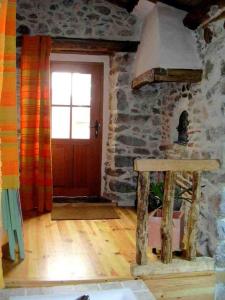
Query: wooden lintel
167	75
92	46
200	14
181	165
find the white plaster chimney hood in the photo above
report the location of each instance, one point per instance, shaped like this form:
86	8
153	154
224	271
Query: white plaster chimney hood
168	50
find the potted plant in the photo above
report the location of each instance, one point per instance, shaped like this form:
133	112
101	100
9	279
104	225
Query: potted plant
155	217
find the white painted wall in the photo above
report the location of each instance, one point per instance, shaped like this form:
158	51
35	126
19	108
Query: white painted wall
142	9
166	42
148	55
101	59
178	47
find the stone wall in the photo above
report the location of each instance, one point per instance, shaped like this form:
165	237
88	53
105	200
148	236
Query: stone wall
140	123
134	129
205	103
211	43
76	19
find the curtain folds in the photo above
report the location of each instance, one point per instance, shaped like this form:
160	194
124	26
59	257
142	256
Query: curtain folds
35	147
11	218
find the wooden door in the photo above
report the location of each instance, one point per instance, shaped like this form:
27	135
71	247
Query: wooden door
76	90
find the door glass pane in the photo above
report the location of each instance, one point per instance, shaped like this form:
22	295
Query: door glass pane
60	122
81	89
61	88
81	123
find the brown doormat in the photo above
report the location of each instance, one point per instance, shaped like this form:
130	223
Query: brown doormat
83	212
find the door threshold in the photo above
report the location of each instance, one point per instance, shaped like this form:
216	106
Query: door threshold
83	200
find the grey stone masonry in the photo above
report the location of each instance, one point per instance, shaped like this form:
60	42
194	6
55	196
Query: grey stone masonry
76	19
212	53
134	129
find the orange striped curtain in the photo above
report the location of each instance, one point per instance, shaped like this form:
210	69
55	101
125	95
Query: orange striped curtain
35	149
9	178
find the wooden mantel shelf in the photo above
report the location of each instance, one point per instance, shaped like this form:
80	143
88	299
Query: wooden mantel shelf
167	75
176	165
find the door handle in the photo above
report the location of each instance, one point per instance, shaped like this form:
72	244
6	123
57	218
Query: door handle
96	127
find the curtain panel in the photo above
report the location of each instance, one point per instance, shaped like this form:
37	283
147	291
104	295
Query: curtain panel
35	147
11	218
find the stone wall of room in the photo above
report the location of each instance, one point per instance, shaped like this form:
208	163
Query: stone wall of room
211	43
143	121
134	129
76	19
205	103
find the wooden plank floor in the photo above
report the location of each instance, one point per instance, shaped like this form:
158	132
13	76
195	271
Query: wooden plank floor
190	286
92	251
76	250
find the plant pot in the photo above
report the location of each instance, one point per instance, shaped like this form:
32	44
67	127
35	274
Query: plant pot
154	233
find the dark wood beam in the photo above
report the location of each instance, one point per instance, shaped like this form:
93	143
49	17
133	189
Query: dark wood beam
92	46
167	75
127	4
200	14
183	5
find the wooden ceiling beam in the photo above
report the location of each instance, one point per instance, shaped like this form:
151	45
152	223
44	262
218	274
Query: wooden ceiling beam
127	4
200	14
173	3
92	46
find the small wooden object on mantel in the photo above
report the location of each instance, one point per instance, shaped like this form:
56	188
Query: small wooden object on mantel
143	167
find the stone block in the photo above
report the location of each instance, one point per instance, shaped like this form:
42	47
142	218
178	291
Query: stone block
121	186
124	161
220	291
221	228
130	140
220	255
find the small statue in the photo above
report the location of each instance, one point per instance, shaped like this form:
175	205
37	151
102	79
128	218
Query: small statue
183	128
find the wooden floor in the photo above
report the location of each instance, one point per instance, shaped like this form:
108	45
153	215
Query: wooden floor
74	251
190	286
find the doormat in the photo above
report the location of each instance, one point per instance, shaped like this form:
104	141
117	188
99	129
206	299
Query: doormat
81	199
83	212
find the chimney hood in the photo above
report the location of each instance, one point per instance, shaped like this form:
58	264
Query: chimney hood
168	50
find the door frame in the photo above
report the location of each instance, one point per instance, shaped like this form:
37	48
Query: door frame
69	57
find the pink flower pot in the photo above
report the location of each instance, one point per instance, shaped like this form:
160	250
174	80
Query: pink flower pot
154	234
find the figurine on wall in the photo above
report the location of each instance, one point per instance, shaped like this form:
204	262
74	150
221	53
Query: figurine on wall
183	128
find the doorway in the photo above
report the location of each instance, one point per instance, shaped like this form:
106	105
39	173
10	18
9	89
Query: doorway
76	93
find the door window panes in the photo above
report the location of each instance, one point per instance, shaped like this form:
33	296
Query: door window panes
61	88
60	122
71	105
81	123
81	89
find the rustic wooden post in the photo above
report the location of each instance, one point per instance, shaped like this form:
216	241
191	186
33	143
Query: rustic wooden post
193	216
167	218
142	218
